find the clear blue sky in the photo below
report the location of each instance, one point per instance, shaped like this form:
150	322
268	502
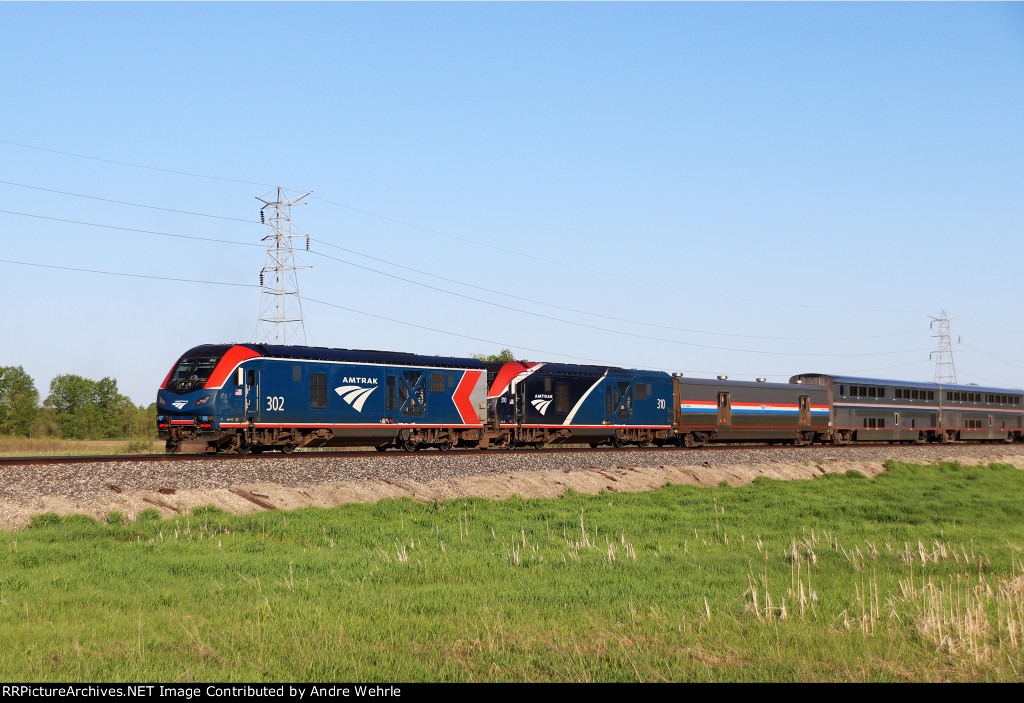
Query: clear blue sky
771	188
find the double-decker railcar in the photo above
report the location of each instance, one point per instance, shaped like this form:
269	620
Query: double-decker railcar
980	413
871	409
252	397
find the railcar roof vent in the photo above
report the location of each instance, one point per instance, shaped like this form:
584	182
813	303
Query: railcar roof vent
762	380
677	374
723	378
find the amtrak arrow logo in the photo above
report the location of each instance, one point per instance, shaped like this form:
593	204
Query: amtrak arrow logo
541	404
179	404
355	395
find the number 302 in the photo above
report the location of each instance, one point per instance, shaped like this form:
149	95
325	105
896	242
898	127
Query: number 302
275	402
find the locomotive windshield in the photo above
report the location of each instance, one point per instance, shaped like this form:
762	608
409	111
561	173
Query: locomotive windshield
193	372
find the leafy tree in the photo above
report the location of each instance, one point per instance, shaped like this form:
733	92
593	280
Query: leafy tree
74	399
503	355
19	401
87	409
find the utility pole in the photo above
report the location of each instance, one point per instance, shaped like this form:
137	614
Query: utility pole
945	371
280	320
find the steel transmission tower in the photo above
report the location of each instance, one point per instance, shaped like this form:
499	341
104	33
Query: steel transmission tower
280	320
945	371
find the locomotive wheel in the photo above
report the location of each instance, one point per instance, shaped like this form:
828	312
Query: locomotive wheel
242	449
659	443
692	439
288	448
381	447
446	446
595	445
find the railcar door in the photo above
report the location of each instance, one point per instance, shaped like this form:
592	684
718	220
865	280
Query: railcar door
724	409
805	412
618	402
252	394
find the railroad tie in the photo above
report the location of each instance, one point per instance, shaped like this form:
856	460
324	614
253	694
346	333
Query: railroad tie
160	504
242	493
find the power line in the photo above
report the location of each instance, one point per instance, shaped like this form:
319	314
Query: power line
122	202
995	357
599	272
604	329
125	163
442	290
131	229
466	240
129	275
600	315
382	317
999	384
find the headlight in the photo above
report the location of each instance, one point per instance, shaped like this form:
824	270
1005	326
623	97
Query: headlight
204	400
161	400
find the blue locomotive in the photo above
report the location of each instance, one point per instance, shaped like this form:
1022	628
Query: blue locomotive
253	397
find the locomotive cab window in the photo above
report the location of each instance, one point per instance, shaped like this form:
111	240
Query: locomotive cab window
192	372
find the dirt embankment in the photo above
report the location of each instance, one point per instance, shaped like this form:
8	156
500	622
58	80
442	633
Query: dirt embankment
87	489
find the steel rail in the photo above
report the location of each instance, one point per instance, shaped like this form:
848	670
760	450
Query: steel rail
363	453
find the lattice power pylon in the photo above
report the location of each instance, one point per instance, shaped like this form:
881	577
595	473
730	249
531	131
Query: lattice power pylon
945	371
280	320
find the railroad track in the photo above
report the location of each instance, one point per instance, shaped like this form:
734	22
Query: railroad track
362	453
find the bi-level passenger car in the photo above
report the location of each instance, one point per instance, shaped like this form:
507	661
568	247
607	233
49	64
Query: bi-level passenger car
867	409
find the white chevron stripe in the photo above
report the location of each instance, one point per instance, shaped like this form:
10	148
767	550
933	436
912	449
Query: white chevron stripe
579	403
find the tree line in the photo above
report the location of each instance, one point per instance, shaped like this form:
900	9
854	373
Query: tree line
76	408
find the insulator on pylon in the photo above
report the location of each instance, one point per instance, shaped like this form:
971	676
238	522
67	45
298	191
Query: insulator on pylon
262	221
261	278
307	242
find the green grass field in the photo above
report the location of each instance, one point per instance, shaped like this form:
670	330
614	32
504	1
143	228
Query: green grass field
51	446
915	575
